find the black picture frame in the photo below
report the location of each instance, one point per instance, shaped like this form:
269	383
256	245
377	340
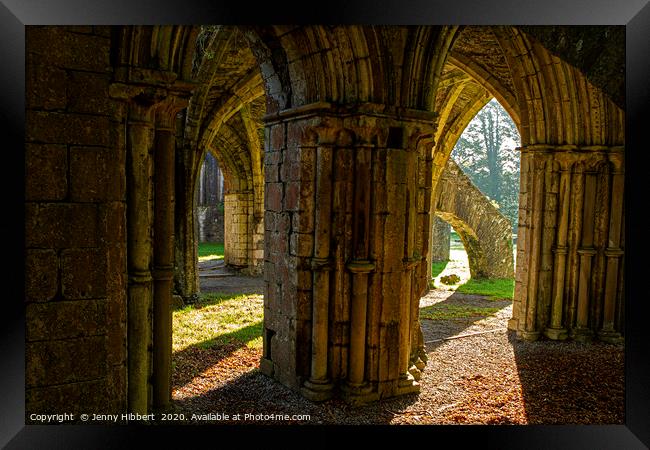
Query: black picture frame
634	14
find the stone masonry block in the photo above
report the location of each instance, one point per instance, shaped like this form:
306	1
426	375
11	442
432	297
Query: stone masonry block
46	171
273	197
64	128
88	93
61	225
64	319
94	175
65	361
57	47
41	275
45	85
292	196
83	273
277	137
75	398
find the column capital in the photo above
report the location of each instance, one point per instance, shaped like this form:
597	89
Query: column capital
617	159
565	159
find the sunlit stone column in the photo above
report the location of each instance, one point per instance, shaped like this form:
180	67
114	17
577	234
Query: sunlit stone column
528	320
556	330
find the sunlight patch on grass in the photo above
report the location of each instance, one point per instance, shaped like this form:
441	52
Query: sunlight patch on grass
210	250
495	288
446	312
219	319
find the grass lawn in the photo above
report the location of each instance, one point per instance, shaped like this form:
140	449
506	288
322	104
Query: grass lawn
219	319
496	288
210	250
437	268
446	312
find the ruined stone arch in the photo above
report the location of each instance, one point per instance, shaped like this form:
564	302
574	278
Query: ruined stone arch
486	234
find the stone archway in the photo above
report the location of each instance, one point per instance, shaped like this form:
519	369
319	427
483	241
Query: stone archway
485	232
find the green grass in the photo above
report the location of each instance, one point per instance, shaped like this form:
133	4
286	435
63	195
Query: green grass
219	319
446	312
495	288
437	268
210	250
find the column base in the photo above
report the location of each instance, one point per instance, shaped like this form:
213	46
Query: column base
415	372
610	336
407	385
358	393
556	334
582	334
528	335
267	367
513	324
317	391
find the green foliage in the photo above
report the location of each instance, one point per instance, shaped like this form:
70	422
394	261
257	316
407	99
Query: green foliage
495	288
486	153
210	250
442	311
450	279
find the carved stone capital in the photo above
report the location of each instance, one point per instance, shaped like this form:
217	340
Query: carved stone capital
565	160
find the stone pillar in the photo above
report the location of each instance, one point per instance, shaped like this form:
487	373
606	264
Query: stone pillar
163	252
586	252
139	221
528	327
186	277
347	223
360	266
440	240
318	387
556	330
613	252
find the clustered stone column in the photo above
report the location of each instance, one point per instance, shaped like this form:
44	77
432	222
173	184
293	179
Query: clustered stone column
570	231
348	196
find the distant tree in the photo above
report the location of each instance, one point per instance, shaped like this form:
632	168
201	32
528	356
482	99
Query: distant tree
486	153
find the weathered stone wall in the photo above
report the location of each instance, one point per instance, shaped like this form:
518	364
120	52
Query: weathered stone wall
485	232
75	266
440	240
